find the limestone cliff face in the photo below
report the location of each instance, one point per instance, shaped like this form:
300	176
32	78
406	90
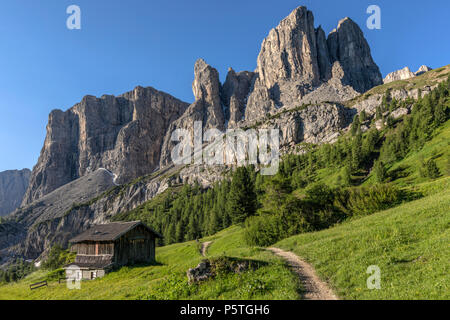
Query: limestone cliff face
234	95
13	184
123	134
348	46
289	53
206	88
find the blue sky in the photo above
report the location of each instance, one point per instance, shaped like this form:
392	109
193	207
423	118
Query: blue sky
122	44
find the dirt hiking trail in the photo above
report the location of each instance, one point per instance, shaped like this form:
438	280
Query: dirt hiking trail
314	288
205	246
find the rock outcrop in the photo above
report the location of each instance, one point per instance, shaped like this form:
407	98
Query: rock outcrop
402	74
318	123
348	46
210	268
123	134
200	273
405	73
422	70
206	88
370	103
13	185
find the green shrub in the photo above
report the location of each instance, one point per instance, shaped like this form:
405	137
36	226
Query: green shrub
55	274
262	230
367	200
295	216
429	169
319	194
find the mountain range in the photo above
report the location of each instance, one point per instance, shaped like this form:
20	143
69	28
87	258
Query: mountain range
110	154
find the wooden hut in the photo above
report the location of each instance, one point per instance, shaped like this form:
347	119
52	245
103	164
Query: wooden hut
105	246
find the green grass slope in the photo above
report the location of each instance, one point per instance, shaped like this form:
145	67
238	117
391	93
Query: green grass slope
409	243
438	149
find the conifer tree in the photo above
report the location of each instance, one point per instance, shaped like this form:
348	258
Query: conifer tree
346	176
242	198
380	171
356	125
357	152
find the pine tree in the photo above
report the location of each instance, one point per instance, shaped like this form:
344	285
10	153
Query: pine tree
380	171
192	228
242	198
357	152
440	114
346	176
169	237
277	189
379	114
362	116
179	231
214	222
356	125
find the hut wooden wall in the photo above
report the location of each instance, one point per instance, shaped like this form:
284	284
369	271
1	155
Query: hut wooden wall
93	248
137	245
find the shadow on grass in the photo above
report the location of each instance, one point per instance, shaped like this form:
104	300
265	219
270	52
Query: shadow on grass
400	172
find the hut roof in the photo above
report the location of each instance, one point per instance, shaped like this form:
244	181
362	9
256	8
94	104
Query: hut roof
110	232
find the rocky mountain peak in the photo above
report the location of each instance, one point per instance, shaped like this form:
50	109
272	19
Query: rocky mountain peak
344	20
234	95
299	64
289	52
206	88
348	46
206	85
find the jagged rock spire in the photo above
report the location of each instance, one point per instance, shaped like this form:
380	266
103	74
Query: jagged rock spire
296	59
290	52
